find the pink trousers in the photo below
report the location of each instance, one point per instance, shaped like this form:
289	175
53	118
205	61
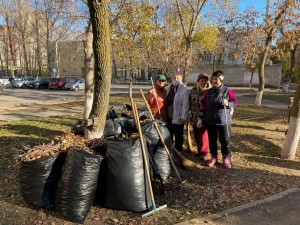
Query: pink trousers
201	138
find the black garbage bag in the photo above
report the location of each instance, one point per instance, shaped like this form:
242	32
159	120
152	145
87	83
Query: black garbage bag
156	148
122	182
39	179
77	186
78	128
112	128
111	114
144	115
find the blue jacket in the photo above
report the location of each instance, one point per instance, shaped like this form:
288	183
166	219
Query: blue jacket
215	112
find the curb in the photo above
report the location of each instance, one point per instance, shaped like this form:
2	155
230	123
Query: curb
210	218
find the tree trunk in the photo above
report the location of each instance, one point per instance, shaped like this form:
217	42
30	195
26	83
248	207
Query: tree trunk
186	59
25	54
293	62
12	55
38	44
292	138
252	73
89	72
101	44
261	77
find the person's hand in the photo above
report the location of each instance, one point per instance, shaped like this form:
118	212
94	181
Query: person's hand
199	123
153	92
231	111
225	102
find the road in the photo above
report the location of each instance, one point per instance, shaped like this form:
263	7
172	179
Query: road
19	97
23	97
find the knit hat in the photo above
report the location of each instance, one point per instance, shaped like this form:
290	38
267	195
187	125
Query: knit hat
202	76
161	77
218	74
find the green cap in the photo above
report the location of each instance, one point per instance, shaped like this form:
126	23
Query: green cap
161	77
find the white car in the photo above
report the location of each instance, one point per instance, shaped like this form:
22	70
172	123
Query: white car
22	83
75	84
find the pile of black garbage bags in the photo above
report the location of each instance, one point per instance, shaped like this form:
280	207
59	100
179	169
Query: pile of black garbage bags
114	177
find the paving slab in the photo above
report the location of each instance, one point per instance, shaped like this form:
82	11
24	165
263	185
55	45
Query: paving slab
279	209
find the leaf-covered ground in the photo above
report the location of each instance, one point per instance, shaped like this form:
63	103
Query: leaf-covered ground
257	138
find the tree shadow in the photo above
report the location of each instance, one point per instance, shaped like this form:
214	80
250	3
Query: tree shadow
254	144
33	130
289	164
256	127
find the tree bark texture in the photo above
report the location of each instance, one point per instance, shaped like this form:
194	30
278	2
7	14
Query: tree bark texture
89	72
102	75
292	138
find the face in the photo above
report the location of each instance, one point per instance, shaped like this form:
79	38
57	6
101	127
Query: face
216	82
160	83
202	83
177	77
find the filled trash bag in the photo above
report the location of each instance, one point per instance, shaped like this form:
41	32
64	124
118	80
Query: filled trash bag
156	148
111	114
122	182
39	179
77	186
144	115
78	128
124	123
112	128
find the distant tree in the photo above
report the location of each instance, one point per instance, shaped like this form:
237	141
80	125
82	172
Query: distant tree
23	32
7	9
267	31
189	17
289	42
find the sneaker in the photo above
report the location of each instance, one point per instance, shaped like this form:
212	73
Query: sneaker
201	156
212	162
226	162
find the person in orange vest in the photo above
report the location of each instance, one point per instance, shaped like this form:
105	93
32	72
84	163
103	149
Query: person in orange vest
157	97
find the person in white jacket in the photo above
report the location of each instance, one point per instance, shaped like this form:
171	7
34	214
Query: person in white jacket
178	105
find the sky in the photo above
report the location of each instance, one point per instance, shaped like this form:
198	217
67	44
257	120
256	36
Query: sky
259	5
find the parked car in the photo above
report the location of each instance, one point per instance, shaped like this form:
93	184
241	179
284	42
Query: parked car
23	82
75	84
39	83
57	83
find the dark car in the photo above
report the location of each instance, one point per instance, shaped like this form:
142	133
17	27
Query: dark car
39	83
57	83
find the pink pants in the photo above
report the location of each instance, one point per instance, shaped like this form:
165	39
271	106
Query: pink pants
201	138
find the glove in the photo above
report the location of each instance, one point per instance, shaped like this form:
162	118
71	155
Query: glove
199	123
225	102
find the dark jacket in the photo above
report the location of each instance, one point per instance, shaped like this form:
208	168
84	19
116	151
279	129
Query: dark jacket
212	109
196	96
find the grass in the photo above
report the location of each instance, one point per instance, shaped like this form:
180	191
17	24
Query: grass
277	97
257	138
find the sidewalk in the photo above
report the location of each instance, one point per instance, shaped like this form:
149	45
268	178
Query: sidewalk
280	209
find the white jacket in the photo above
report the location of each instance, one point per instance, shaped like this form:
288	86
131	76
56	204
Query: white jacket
181	104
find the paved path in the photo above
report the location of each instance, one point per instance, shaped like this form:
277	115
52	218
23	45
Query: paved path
280	209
